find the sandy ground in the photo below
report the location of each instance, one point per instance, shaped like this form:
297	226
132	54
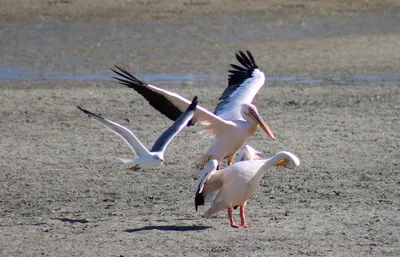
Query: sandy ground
65	193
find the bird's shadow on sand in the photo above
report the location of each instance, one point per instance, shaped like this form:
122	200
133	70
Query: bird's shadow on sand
71	220
167	228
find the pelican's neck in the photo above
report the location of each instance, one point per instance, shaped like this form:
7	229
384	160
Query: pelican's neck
271	162
253	128
250	124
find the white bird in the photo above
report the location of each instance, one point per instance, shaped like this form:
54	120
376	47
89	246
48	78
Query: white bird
236	183
234	120
144	158
247	153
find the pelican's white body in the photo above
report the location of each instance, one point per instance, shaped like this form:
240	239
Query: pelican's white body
236	183
226	144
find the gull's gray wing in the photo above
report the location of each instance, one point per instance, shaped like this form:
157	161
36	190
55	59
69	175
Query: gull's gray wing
183	121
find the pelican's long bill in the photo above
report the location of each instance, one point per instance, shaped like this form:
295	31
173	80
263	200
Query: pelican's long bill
262	123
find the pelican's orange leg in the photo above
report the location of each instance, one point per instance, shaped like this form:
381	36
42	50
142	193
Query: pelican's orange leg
243	217
233	224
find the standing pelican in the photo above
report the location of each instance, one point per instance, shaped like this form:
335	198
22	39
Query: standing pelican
245	154
234	120
236	183
144	158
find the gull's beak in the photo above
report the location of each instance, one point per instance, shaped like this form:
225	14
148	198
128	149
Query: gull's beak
262	123
282	162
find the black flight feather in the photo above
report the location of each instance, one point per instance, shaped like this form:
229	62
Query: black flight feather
89	113
198	200
155	99
237	77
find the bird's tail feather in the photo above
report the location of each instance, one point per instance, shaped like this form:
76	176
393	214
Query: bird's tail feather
126	161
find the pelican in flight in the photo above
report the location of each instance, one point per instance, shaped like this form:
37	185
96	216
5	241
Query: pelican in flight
236	183
234	120
144	158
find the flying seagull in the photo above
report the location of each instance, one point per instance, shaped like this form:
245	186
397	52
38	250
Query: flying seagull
145	158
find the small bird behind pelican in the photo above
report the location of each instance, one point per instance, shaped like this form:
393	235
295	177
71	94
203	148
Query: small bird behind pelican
247	153
236	183
144	158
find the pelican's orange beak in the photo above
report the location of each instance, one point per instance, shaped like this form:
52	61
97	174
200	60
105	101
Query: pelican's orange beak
282	162
262	123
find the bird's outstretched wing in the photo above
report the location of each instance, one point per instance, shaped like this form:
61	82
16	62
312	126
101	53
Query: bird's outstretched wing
163	141
121	131
243	84
171	104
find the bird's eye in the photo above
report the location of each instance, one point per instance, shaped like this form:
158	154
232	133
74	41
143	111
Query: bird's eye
252	111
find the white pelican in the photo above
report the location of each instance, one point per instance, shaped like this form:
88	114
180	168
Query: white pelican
236	183
144	158
246	153
234	120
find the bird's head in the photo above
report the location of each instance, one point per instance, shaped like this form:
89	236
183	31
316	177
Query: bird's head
250	113
287	160
159	157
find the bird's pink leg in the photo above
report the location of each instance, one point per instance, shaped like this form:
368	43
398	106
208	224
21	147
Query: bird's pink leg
243	217
233	224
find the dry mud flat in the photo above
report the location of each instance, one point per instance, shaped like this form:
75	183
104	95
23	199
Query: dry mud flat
64	192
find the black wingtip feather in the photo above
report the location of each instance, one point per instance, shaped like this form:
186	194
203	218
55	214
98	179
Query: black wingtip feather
237	67
247	62
237	76
88	113
240	74
81	109
198	200
155	99
128	79
192	107
85	111
251	57
244	60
